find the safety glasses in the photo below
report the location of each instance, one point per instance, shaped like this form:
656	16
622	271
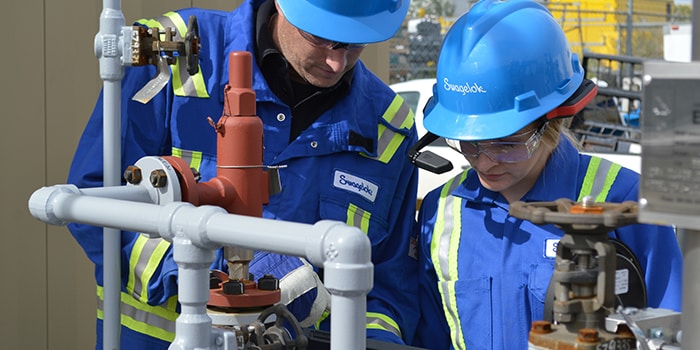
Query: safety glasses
328	44
501	151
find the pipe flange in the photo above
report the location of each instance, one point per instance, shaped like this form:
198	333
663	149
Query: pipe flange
163	185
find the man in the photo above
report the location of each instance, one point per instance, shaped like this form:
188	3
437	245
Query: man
326	118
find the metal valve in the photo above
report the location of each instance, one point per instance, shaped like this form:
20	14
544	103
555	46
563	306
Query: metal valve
161	48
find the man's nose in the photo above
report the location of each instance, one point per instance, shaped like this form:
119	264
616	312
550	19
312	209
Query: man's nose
337	59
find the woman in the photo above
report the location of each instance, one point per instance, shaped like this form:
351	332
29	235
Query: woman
506	81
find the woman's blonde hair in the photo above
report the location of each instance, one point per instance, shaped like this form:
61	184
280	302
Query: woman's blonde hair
553	132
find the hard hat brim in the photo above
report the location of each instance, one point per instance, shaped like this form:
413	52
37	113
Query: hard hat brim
470	127
368	29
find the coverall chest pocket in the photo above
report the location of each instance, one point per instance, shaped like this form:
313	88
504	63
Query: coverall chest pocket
538	283
475	310
354	215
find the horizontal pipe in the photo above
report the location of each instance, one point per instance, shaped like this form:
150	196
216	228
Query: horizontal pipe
344	251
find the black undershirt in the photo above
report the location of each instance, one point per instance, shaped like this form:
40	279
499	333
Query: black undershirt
307	102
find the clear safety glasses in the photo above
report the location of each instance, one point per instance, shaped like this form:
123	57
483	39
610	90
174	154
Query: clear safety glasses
501	151
328	44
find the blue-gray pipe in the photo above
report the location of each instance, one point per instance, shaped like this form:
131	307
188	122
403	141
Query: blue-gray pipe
107	50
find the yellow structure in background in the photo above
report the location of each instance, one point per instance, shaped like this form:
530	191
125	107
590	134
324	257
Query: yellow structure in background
601	26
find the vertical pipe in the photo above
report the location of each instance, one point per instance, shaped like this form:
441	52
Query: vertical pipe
690	243
193	325
695	32
690	317
349	329
629	27
111	72
111	240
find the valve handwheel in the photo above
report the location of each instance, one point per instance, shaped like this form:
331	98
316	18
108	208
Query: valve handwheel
192	46
575	217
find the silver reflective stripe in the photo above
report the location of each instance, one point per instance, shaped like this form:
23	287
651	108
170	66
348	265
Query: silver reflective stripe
378	323
142	316
187	83
447	202
358	217
444	250
399	116
600	176
142	263
186	155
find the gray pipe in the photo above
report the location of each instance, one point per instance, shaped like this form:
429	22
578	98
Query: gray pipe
111	72
196	232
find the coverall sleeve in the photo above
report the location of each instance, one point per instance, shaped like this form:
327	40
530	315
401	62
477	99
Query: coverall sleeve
659	255
144	132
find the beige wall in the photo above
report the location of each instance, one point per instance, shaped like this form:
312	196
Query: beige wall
47	293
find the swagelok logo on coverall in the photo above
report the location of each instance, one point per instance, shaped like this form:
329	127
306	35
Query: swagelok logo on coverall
354	184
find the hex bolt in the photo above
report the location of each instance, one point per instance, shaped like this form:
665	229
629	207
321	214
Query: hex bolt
234	287
268	282
588	335
158	178
132	175
214	281
196	174
541	327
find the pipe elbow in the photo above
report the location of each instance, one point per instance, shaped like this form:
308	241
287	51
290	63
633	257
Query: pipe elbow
44	201
345	254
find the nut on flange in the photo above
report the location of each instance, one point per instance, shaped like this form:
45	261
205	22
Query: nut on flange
133	175
158	178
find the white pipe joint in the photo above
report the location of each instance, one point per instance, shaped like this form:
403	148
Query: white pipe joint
43	203
185	221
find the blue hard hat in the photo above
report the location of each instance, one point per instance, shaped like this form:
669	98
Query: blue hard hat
502	65
353	22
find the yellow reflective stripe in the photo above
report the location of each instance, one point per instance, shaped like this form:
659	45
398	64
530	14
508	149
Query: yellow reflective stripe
178	22
358	217
155	321
400	116
183	83
444	249
153	262
200	89
588	179
376	320
171	304
145	258
149	23
609	180
600	176
178	89
324	316
193	158
131	284
196	161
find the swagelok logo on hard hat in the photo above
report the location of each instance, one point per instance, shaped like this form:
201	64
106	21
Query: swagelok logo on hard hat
464	89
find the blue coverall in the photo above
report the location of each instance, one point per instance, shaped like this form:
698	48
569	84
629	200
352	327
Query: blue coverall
496	268
363	139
